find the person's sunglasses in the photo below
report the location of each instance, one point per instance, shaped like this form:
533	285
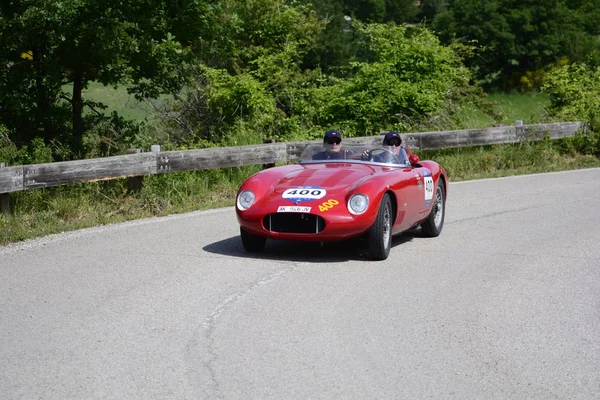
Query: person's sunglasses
334	141
394	143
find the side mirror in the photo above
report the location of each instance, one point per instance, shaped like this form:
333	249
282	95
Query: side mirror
414	159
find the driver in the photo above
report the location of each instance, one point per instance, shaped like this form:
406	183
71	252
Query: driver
332	141
397	152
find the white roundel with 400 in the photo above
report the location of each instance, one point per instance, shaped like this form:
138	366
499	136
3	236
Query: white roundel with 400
304	193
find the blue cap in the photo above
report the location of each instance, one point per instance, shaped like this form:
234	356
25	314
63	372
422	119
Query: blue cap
332	134
391	137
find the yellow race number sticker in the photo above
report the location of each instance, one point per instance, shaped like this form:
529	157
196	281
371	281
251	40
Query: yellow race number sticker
327	205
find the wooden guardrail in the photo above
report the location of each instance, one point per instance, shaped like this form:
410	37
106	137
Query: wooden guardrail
26	177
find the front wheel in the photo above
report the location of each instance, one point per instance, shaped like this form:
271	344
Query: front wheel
251	242
379	235
434	223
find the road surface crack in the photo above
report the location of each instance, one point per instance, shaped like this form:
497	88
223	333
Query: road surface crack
210	324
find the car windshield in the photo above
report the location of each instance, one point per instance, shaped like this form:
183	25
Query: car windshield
355	153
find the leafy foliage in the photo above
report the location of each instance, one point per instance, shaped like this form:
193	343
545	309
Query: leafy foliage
517	37
409	76
404	76
253	90
242	71
255	34
46	44
367	11
340	43
574	96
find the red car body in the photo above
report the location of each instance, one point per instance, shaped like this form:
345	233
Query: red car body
309	201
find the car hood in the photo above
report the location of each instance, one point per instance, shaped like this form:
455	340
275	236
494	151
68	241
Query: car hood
332	177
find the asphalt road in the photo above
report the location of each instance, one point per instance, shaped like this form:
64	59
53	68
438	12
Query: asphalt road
505	304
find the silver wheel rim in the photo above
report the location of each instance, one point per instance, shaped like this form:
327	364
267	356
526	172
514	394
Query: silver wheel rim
387	222
438	208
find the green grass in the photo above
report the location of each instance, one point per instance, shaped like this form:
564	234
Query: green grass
40	212
510	107
116	100
507	160
527	107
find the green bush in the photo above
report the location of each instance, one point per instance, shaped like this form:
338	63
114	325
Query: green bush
575	96
113	135
407	79
37	152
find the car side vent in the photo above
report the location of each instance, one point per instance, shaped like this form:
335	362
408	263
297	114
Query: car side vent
293	223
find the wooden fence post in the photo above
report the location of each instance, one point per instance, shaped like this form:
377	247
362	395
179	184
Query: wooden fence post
135	183
4	198
270	165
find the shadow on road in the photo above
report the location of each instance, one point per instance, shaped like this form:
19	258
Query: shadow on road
354	249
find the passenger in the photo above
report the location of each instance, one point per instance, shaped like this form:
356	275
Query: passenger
396	154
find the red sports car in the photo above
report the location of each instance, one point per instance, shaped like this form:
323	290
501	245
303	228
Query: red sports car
375	192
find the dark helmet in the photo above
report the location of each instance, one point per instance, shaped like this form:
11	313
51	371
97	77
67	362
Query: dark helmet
332	134
392	138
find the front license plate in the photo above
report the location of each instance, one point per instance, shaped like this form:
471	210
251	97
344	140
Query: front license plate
294	209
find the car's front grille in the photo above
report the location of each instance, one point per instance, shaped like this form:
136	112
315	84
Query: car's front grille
294	223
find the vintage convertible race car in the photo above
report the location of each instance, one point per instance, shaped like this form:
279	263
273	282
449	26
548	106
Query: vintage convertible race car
366	191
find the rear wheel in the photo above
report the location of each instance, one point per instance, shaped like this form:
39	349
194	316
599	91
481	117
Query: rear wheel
434	223
379	235
251	242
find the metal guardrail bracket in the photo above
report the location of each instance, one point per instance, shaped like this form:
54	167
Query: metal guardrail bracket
163	164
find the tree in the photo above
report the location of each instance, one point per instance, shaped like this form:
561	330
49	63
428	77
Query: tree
402	11
340	43
573	91
251	75
409	77
520	36
428	9
399	11
142	44
366	10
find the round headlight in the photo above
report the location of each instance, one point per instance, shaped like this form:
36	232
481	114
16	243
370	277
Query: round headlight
358	204
245	200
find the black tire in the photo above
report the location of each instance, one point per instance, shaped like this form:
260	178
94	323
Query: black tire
251	242
434	223
379	236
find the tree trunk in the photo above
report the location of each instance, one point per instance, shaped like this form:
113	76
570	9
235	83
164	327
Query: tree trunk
42	98
77	117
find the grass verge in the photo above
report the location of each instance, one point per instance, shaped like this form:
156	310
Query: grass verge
41	212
